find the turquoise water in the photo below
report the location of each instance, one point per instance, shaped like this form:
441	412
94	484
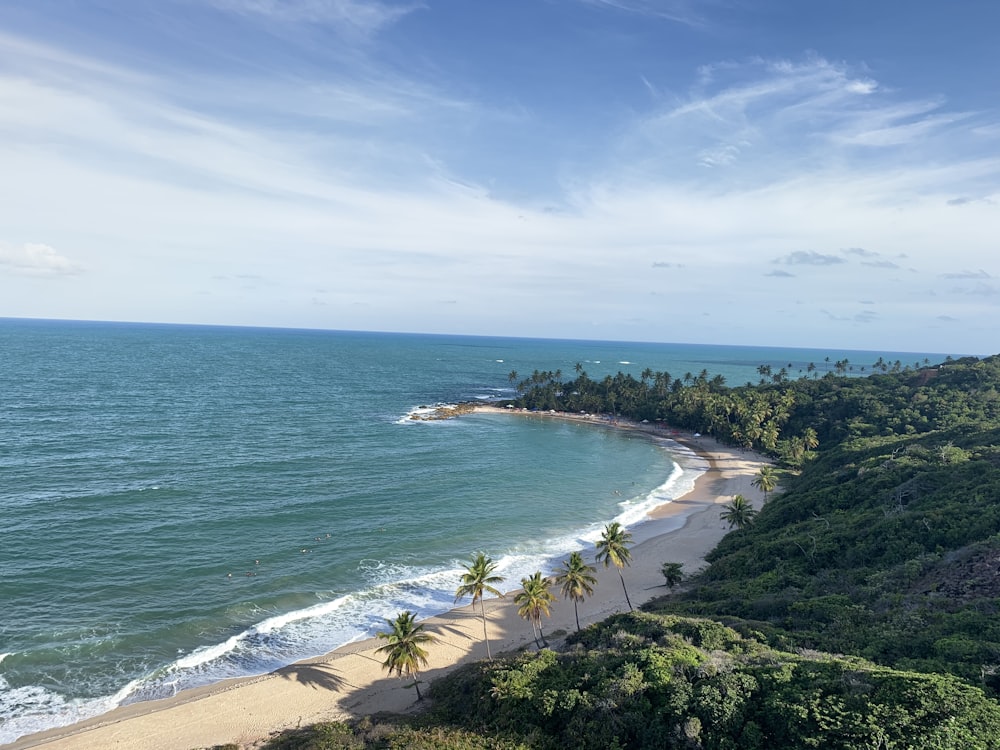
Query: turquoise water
181	505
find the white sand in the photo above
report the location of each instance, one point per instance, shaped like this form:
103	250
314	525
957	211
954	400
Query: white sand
350	682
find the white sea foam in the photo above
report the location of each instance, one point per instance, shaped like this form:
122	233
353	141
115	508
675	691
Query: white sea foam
32	708
279	639
419	413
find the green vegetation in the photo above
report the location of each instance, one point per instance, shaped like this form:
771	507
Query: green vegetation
479	579
576	581
766	480
739	513
612	549
882	547
885	539
404	651
646	681
534	600
673	573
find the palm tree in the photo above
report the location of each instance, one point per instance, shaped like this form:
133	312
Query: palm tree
809	438
673	573
612	549
576	581
738	513
534	600
766	480
404	652
477	580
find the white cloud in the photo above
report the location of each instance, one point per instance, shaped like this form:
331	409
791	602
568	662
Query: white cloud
35	259
681	11
364	16
153	183
775	118
810	258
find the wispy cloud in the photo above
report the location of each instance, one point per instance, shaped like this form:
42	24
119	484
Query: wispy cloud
810	258
898	125
760	120
863	317
980	274
862	252
376	183
681	11
35	259
979	290
363	16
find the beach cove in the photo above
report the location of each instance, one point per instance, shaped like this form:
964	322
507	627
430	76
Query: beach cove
350	681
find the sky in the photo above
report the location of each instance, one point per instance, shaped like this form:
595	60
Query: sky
764	172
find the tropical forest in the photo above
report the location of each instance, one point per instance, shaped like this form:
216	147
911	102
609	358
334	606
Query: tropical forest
859	608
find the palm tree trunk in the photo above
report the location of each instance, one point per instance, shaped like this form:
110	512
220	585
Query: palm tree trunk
486	637
416	684
545	643
626	591
576	612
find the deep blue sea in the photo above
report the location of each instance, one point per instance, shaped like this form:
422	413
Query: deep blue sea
183	504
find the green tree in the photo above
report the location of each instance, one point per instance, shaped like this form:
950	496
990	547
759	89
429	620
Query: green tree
612	549
534	600
810	439
479	579
576	580
673	573
404	652
739	513
766	480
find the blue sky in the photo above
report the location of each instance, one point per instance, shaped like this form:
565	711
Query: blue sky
713	171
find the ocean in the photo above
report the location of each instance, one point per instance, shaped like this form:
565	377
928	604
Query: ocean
184	504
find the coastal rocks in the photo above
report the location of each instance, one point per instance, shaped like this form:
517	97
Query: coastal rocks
442	411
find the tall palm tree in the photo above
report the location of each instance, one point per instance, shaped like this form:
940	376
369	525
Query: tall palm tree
739	513
534	600
612	549
479	579
576	581
766	480
404	652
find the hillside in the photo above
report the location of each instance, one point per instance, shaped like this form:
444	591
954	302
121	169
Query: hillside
649	681
859	610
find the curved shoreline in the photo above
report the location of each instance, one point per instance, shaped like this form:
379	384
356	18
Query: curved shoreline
350	681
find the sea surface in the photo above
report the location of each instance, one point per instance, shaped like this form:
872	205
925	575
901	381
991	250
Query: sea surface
185	504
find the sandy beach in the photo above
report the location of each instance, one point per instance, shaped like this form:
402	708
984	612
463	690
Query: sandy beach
350	682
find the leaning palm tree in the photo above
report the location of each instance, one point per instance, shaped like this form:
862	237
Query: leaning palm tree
404	654
576	581
612	549
477	580
739	513
534	600
766	480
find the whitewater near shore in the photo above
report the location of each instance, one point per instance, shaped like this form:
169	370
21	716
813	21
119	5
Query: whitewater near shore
350	682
